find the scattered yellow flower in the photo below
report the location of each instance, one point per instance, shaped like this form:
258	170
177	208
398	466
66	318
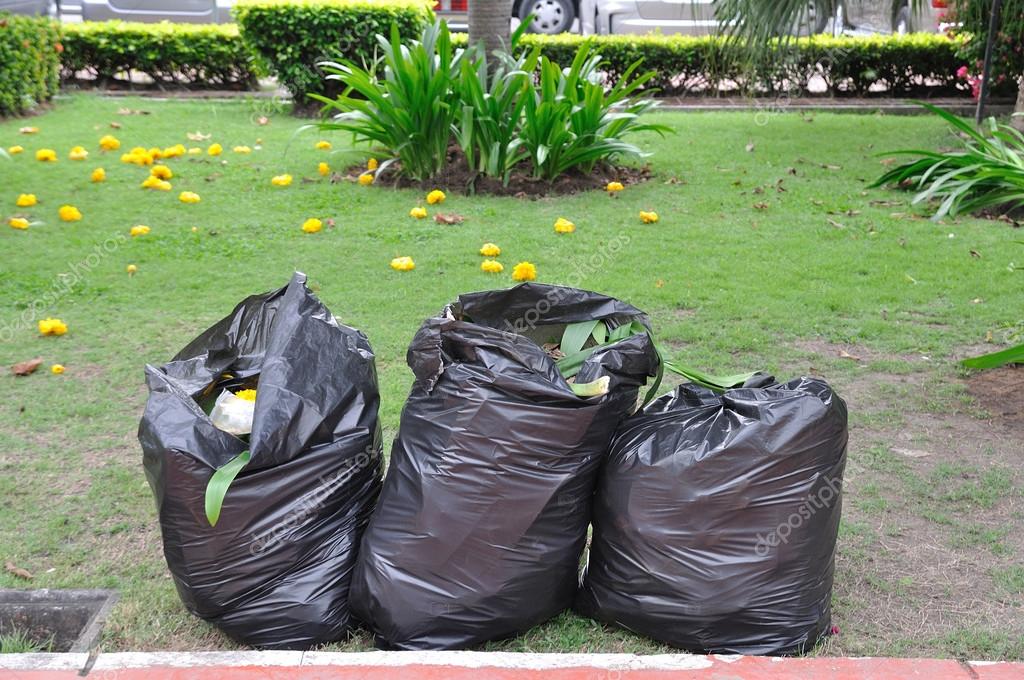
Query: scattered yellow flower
564	226
492	266
69	213
16	149
312	225
366	179
156	152
372	164
161	172
614	186
215	149
323	169
30	130
490	250
648	217
139	230
195	230
57	369
194	151
26	200
242	149
248	395
524	271
52	327
281	180
131	269
189	197
419	212
137	156
110	143
403	264
47	155
153	182
435	196
323	145
98	175
18	223
78	153
174	151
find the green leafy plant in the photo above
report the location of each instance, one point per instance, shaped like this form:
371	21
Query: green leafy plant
988	172
19	642
192	55
410	112
30	52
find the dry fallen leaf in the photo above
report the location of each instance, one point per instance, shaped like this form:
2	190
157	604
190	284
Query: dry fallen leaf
887	161
843	354
115	125
659	284
18	571
132	112
791	171
262	120
760	206
26	367
975	253
449	218
835	224
749	147
198	136
885	204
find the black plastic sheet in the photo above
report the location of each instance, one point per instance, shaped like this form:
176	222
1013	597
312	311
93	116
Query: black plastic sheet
483	518
715	519
275	570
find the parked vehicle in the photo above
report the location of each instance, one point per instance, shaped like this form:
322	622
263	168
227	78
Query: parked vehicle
898	16
549	16
182	11
686	17
30	7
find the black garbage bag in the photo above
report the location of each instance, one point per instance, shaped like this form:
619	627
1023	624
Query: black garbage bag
715	519
274	572
483	518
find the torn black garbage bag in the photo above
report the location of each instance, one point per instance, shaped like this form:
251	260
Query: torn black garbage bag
483	518
715	519
275	570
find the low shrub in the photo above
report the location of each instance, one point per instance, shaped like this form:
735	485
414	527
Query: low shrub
30	50
293	36
190	55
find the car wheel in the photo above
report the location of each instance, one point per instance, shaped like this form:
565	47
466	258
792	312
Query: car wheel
901	24
549	16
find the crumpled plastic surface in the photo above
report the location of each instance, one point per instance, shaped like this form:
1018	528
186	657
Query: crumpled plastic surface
483	518
275	570
715	519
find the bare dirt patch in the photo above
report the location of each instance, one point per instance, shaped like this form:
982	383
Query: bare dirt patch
1000	391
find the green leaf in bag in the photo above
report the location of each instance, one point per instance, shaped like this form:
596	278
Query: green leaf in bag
575	335
218	486
714	382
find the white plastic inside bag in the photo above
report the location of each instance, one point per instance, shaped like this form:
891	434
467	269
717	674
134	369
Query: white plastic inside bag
233	414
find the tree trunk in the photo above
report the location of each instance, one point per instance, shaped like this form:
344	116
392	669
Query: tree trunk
1017	121
489	23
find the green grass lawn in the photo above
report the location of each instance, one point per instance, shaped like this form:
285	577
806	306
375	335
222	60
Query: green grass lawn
774	258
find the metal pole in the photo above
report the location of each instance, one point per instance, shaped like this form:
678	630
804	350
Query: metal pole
986	69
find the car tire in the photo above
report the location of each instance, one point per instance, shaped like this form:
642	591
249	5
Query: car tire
550	16
901	23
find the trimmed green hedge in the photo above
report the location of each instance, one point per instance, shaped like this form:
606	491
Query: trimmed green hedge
849	65
192	55
29	62
293	36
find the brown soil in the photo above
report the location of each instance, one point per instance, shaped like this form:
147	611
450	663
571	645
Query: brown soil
1000	391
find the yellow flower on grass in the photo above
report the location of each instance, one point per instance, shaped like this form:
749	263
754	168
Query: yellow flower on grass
57	369
189	197
161	171
490	250
648	217
248	395
614	186
131	269
110	143
419	212
366	179
137	156
403	264
139	230
215	149
524	271
69	213
156	152
152	182
98	175
194	151
242	149
435	196
492	266
312	225
78	153
372	164
16	149
174	151
52	327
323	145
323	169
46	155
281	180
564	226
18	223
26	200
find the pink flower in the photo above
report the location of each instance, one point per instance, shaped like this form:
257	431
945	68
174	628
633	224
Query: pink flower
962	72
